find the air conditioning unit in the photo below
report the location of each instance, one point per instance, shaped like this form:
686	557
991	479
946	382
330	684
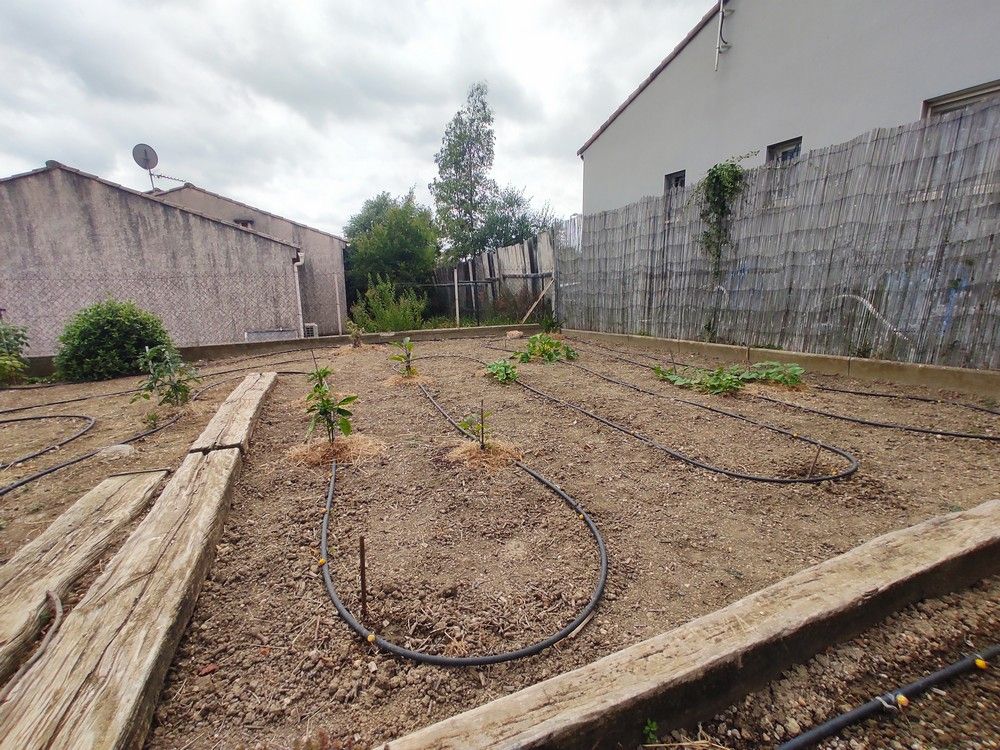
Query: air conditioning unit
311	330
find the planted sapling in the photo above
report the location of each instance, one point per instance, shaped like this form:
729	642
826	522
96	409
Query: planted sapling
167	375
476	424
325	409
405	356
355	332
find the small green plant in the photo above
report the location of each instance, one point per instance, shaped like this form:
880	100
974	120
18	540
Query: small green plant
355	332
502	370
723	381
405	356
106	341
651	732
544	347
152	419
13	339
12	369
13	342
787	373
324	409
550	323
167	375
476	424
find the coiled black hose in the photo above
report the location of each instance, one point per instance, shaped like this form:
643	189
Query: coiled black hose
856	420
88	421
138	436
852	462
467	661
891	700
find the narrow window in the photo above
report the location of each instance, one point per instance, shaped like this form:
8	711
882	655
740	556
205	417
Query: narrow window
785	150
673	180
940	105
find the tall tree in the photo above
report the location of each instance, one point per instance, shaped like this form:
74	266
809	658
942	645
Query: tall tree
510	219
393	238
463	190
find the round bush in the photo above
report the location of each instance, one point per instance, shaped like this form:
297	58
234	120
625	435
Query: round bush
106	340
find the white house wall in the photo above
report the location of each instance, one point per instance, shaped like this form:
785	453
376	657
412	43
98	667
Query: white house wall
825	70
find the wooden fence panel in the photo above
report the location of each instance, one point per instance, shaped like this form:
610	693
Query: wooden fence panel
883	246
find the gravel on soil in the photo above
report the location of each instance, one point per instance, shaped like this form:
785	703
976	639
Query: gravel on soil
466	561
963	713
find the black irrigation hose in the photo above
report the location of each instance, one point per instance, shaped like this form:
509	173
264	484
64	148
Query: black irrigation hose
833	415
852	467
138	436
467	661
908	397
891	701
89	423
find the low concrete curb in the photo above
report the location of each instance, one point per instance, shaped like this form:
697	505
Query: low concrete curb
689	673
42	366
979	382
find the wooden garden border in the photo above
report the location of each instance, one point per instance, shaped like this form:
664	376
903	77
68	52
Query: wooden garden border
689	673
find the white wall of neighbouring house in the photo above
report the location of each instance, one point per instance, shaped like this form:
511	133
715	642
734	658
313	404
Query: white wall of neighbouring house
324	293
822	70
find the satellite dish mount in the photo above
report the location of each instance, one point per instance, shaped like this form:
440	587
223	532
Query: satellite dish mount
146	158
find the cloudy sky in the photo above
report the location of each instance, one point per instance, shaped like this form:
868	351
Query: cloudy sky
307	108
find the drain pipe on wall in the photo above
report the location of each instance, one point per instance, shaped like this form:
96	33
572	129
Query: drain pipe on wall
894	700
297	265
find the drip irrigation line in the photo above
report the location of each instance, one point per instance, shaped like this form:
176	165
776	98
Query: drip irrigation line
853	463
834	415
908	397
14	409
467	661
892	701
88	421
138	436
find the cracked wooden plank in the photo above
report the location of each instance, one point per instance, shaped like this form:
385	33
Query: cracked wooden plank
98	681
689	673
61	554
234	422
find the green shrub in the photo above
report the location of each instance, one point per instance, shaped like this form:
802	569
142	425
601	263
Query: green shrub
502	370
544	347
381	309
13	342
106	340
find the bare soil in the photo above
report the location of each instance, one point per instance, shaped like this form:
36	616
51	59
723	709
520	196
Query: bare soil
464	561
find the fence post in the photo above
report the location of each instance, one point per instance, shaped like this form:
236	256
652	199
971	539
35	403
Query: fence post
457	321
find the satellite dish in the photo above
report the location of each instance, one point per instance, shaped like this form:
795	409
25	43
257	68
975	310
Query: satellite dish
145	156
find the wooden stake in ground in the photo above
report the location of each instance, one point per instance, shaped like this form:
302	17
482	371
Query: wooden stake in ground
482	424
535	303
812	469
458	323
364	585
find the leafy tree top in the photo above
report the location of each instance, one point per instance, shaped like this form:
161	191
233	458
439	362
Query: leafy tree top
464	190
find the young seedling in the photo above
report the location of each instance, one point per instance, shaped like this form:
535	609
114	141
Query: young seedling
651	732
544	347
355	332
405	356
718	382
168	376
503	371
476	424
774	372
152	419
324	409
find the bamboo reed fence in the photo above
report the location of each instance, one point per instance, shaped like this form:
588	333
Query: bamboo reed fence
884	246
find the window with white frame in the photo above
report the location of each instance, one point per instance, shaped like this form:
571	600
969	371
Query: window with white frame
945	103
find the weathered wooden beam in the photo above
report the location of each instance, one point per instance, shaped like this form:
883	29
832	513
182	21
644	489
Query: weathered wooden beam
97	683
234	422
61	554
689	673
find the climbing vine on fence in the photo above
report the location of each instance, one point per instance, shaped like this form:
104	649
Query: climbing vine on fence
716	195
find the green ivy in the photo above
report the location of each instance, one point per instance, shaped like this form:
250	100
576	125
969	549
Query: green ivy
716	195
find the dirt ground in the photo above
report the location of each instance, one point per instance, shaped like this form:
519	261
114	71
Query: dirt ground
963	713
465	561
